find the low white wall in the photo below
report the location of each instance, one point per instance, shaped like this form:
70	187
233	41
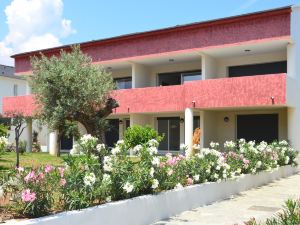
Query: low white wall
150	208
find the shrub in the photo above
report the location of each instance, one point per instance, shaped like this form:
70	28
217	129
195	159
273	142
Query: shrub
138	135
3	130
3	144
33	189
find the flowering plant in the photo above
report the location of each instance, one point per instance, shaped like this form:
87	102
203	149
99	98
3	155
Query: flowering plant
3	144
32	189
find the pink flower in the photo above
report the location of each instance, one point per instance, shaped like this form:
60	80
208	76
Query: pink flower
246	161
61	171
62	182
29	176
190	181
162	164
48	168
41	176
28	196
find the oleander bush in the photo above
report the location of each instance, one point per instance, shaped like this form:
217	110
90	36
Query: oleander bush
94	175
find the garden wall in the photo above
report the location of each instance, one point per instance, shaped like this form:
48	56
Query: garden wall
147	209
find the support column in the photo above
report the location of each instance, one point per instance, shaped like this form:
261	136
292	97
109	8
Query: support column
140	76
29	135
188	127
53	145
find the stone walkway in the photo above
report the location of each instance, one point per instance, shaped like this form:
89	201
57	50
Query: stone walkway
261	203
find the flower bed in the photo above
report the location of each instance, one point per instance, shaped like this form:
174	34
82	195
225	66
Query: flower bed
94	176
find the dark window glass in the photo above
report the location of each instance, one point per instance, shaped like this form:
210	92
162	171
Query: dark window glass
169	79
261	127
176	78
186	77
112	132
196	122
258	69
170	128
124	83
66	143
127	123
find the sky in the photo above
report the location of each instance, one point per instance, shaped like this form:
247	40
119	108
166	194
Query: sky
27	25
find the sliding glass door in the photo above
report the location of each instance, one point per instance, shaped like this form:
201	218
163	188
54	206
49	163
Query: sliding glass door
170	128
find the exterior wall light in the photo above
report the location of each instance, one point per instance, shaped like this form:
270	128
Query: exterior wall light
273	100
181	120
120	122
226	119
171	60
194	103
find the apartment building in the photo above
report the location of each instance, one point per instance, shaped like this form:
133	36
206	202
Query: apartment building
235	77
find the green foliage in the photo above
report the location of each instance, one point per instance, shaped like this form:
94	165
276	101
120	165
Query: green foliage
139	135
289	216
70	88
3	130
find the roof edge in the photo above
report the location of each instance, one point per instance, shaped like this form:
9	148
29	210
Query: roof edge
268	12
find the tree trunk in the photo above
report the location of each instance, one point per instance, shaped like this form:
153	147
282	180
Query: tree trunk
17	153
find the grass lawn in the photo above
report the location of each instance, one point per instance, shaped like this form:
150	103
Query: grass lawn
8	160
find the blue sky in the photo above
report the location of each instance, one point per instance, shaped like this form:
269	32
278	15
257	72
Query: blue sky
95	19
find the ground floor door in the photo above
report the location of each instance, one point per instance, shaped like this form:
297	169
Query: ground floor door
258	127
66	143
170	128
112	132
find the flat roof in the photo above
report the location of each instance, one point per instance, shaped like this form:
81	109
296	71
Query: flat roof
273	11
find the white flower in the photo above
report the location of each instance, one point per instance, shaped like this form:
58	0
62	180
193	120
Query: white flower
100	147
155	161
89	179
107	163
253	170
283	142
258	164
224	175
286	160
3	141
153	150
200	155
239	170
183	147
152	172
115	150
76	149
207	170
216	176
128	187
214	144
120	142
137	148
218	167
155	184
229	144
196	177
196	147
178	186
87	138
153	143
94	156
106	178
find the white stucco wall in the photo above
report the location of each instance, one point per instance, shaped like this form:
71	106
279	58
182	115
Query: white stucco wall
209	67
140	76
293	80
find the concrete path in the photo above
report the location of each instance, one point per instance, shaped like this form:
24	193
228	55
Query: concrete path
261	203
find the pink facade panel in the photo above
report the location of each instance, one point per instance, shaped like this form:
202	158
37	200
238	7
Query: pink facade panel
19	105
253	91
254	27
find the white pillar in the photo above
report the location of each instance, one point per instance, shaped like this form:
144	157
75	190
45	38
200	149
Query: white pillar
188	127
29	135
53	144
140	76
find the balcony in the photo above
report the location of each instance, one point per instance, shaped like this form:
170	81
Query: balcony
252	91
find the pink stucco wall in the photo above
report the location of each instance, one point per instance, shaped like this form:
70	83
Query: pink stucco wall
200	35
216	93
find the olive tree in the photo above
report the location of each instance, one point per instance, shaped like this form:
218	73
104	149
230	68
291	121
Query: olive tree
68	89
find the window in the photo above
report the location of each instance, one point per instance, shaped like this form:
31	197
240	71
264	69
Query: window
15	90
177	78
124	83
186	77
196	123
170	128
258	69
259	127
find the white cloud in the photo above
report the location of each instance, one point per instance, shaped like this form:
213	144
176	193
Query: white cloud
32	25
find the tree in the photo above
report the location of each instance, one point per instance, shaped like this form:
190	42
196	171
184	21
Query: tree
18	122
69	88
